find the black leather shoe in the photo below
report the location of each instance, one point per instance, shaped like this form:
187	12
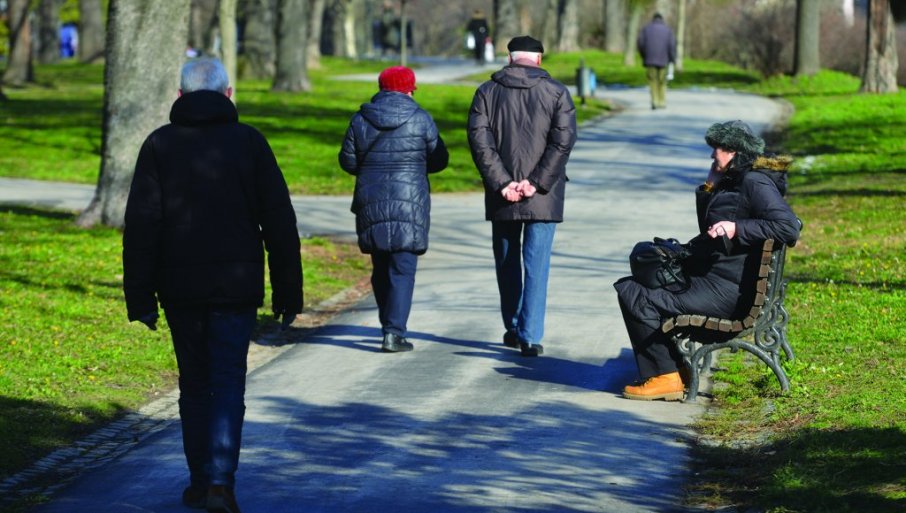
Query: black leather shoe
221	500
530	349
195	497
510	339
394	343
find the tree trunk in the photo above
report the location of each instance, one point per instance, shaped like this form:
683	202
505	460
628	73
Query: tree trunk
506	23
550	25
680	34
349	23
141	79
19	68
614	25
292	36
203	27
880	74
632	33
404	41
314	35
49	31
569	26
808	25
259	41
91	31
228	41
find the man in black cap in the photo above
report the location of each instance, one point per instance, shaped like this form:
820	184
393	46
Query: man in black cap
522	127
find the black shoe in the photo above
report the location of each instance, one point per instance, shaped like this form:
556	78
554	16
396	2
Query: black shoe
530	349
394	343
195	497
221	500
510	339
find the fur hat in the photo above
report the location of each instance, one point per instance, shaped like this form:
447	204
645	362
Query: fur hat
397	78
525	44
734	136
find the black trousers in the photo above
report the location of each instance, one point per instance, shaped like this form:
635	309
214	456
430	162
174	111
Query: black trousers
393	282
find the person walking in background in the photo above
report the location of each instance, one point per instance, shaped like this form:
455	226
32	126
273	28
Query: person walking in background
740	205
207	192
390	146
478	30
657	45
522	128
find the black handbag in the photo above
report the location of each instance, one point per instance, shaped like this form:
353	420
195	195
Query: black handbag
659	263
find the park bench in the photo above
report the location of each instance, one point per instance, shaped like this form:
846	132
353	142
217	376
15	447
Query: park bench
761	332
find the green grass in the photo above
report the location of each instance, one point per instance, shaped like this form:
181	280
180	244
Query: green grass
69	359
837	441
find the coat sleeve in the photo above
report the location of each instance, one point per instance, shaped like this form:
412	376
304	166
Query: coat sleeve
278	228
770	215
142	236
347	157
484	146
560	140
438	158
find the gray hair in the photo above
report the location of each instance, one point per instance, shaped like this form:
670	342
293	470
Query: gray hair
520	54
204	74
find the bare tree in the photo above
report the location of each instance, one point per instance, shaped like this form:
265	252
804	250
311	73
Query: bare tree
203	26
615	25
91	30
506	22
259	38
636	9
880	75
550	24
292	36
141	78
228	42
680	33
49	31
807	60
569	26
314	35
19	67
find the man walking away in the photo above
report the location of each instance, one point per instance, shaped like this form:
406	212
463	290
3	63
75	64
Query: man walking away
207	198
657	45
522	128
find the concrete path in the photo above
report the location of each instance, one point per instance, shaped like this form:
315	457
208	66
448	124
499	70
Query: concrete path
464	424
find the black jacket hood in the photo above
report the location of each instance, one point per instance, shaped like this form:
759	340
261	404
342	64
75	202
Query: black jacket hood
389	110
519	76
203	108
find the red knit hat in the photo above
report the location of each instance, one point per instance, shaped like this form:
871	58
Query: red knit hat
397	78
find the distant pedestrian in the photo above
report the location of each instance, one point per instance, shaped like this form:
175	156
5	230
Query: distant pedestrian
478	30
390	146
657	44
207	198
522	127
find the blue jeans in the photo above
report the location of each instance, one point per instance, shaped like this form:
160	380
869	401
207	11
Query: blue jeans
523	301
393	282
211	346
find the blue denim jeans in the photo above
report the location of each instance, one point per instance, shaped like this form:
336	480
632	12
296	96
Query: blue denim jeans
393	282
211	346
522	254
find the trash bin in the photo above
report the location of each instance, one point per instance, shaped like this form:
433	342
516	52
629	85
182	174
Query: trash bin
586	81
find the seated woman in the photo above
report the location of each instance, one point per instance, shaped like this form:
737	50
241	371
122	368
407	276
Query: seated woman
739	206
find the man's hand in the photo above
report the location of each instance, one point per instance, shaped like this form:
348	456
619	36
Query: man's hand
149	320
526	189
722	228
511	193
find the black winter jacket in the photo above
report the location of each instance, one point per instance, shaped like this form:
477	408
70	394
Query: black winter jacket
390	146
206	193
522	125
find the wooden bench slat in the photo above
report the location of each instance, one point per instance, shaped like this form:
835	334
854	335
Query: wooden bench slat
725	325
697	320
764	271
711	323
759	298
762	286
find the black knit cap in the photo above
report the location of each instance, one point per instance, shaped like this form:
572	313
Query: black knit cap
734	136
525	44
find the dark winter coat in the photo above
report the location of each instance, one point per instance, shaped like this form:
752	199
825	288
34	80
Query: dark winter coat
390	146
206	197
522	125
657	44
723	273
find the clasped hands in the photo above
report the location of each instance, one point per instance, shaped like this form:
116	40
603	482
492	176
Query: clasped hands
721	228
515	191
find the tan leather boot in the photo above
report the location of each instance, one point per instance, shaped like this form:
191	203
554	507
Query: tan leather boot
668	387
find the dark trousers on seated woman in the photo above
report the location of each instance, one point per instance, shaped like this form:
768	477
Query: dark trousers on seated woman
393	282
645	309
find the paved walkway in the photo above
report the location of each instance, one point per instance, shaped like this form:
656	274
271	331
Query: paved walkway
463	424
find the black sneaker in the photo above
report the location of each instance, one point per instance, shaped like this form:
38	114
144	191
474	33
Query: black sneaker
394	343
195	497
510	339
527	349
